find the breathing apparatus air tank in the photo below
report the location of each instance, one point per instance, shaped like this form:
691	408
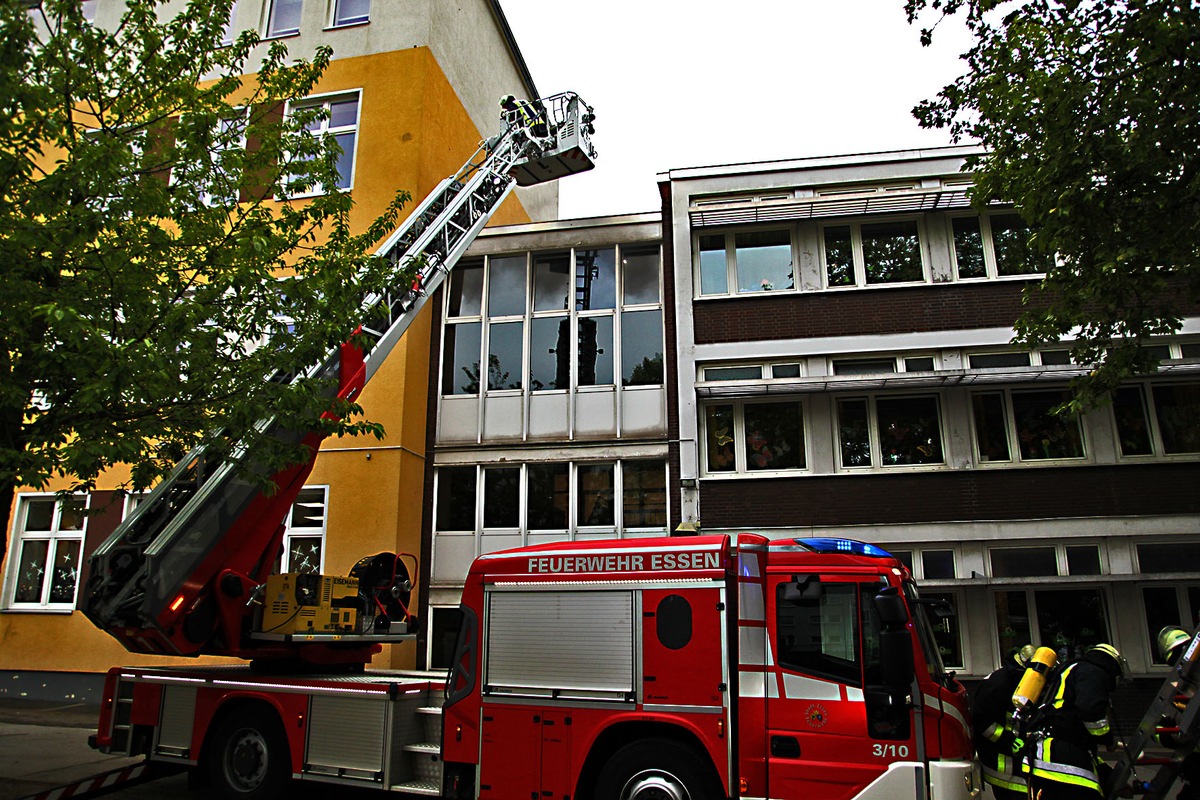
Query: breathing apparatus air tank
1029	690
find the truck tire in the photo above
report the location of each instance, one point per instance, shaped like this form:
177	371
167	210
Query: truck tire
248	757
655	769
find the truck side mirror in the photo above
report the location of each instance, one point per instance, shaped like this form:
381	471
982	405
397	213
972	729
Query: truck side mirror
891	609
802	587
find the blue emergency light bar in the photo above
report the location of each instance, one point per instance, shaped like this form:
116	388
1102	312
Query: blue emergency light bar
847	546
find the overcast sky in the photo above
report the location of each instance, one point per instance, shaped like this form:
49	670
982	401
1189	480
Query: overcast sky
692	83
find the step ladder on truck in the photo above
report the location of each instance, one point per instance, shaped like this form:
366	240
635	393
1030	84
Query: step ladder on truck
1171	719
701	667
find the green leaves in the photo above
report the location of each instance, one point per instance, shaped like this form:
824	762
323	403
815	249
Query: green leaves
1090	114
144	289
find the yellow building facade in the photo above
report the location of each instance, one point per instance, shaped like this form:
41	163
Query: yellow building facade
423	83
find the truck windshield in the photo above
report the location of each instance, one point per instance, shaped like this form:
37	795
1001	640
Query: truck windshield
929	645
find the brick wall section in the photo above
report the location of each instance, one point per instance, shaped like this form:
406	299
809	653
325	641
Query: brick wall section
858	313
916	497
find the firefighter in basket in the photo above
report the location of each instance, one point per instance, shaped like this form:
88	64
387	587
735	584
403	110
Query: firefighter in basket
1072	725
1172	642
530	117
997	743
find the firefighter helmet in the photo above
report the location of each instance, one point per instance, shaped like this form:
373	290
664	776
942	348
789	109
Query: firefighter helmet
1170	640
1102	653
1024	655
507	101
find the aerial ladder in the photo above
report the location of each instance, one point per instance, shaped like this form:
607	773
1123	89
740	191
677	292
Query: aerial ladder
184	573
1173	717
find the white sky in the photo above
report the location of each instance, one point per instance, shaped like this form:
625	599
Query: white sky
693	83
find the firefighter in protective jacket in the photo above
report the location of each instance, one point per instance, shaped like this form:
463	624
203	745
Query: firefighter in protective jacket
1075	723
529	115
1172	642
998	745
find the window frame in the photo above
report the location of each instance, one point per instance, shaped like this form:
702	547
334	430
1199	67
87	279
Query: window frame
1013	435
1146	389
873	434
729	234
336	22
291	532
741	470
269	20
18	536
856	246
991	264
325	101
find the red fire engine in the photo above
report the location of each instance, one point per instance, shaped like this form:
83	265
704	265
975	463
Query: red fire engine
685	667
681	668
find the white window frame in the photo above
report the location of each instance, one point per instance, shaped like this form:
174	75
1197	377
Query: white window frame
291	532
269	22
741	469
990	263
731	273
1153	425
336	21
53	537
856	243
230	32
325	129
1013	435
873	432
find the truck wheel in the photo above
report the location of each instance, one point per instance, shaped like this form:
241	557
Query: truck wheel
249	759
655	769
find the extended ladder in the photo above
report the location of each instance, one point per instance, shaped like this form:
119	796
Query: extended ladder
174	577
1174	712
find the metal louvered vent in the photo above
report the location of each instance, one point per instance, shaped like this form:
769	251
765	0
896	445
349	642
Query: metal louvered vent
892	202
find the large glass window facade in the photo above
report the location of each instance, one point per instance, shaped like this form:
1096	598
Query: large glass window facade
555	321
597	497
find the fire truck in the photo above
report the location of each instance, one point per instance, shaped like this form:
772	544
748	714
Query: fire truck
690	667
695	667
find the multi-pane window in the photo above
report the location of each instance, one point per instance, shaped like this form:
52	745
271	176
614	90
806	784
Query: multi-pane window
351	12
626	495
1067	620
746	262
752	372
995	245
1021	426
283	19
46	552
304	531
750	437
563	334
338	118
1044	561
872	253
1175	606
1158	419
889	431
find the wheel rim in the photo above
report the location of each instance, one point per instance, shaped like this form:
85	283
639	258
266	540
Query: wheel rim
246	760
654	785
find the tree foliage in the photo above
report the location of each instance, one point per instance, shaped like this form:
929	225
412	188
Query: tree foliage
1089	112
143	297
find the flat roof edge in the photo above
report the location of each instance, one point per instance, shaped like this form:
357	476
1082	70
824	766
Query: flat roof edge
817	162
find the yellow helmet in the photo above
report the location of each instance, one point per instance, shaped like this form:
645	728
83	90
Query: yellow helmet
1122	673
1170	640
1024	655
